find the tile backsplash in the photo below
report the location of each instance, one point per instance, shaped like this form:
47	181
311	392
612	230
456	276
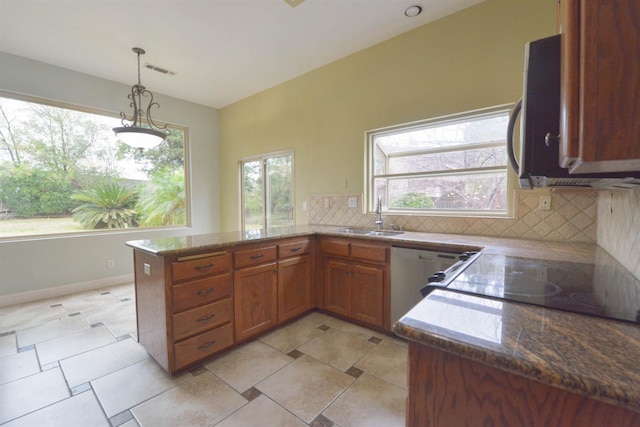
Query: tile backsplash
619	227
572	217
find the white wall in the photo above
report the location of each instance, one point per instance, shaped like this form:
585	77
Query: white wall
33	265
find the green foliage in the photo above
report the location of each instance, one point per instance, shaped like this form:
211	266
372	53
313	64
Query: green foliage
107	204
168	155
31	191
162	199
412	200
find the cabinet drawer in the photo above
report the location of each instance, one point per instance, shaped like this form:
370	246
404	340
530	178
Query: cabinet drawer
202	318
369	252
254	256
203	345
294	248
183	270
200	292
334	247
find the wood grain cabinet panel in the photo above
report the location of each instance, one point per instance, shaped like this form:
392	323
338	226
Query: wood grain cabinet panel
294	287
204	345
200	267
194	321
254	256
449	390
187	313
199	292
356	279
297	248
256	300
338	287
367	289
600	130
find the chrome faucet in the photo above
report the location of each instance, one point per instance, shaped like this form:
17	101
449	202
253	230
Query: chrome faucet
378	221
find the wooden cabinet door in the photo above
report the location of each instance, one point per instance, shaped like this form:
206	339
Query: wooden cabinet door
256	300
338	287
294	287
367	287
601	71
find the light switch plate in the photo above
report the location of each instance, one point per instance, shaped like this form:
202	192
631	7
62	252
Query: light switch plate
353	202
147	269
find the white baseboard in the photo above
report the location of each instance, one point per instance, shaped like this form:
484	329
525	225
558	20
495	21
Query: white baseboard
59	291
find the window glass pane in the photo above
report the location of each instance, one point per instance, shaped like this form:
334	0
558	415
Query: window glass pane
452	164
435	136
280	191
450	160
267	192
63	170
252	195
481	192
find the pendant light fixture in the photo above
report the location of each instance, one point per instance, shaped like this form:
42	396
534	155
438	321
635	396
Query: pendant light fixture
133	133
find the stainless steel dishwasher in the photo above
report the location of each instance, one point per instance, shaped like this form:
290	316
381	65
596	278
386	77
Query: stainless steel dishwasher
410	271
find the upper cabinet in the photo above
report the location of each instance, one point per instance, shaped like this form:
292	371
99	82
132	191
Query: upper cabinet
600	100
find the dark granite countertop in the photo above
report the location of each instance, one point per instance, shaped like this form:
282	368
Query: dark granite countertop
582	252
586	355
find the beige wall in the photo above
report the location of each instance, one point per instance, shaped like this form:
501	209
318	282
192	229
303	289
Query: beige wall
619	227
470	60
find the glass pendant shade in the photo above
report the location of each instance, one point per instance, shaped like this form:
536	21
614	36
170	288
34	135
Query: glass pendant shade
141	138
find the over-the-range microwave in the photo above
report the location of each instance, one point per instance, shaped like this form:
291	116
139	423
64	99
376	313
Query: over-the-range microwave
540	123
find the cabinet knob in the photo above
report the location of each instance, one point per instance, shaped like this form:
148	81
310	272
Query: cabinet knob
548	138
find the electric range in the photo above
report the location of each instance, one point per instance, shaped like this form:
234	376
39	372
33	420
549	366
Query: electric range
603	288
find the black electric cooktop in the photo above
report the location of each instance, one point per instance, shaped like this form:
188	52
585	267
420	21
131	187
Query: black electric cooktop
603	288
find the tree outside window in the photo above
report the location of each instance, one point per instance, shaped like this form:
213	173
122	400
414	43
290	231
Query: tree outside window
63	170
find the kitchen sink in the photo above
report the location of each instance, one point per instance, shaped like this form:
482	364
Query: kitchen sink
368	232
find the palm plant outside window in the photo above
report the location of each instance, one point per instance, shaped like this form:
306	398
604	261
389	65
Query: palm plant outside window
455	165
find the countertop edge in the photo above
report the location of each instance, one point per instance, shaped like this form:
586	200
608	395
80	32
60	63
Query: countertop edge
556	377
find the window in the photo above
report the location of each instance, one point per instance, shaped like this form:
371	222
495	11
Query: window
63	171
455	165
267	192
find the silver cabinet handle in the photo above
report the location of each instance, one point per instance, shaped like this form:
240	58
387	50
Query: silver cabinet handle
548	138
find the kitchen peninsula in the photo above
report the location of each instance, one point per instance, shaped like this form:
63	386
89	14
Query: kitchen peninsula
548	367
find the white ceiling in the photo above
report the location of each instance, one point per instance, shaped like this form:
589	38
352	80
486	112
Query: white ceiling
221	50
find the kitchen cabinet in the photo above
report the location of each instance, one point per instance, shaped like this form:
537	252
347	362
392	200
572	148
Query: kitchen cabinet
600	94
294	287
449	390
184	307
295	278
256	291
356	280
273	284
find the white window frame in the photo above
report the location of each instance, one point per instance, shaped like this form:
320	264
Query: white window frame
370	176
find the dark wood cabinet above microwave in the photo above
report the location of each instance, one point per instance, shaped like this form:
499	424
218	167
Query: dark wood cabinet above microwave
600	93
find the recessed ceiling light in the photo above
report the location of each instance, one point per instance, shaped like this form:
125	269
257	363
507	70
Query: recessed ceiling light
413	11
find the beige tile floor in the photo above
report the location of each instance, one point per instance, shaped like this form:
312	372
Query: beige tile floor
74	361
